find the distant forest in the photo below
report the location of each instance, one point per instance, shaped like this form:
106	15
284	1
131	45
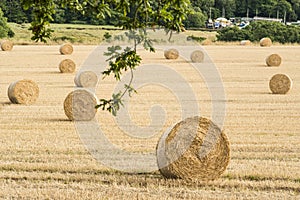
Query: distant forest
14	12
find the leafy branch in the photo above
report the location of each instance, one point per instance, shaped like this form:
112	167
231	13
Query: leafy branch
132	15
118	63
136	18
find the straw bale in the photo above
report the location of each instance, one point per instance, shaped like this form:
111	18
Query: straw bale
6	45
195	149
171	54
23	92
197	56
87	79
245	42
280	84
273	60
206	42
66	49
67	66
265	42
80	104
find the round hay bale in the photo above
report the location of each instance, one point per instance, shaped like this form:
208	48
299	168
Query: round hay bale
171	54
206	42
66	49
265	42
23	92
195	149
88	79
245	42
273	60
197	56
280	84
6	45
80	104
67	66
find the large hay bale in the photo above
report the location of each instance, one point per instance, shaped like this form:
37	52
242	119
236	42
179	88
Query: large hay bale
265	42
171	54
66	49
67	66
280	84
197	56
195	149
23	92
273	60
245	42
80	104
6	45
87	79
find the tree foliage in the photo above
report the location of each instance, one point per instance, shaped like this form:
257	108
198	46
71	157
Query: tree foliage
5	31
132	15
128	14
93	12
255	31
195	19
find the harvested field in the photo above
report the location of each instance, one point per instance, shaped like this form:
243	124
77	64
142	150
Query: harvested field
43	157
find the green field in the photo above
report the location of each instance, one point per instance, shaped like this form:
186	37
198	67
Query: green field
78	34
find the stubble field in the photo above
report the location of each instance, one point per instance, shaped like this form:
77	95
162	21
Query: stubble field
42	156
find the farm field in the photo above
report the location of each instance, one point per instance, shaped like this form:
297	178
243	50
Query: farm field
76	34
80	34
43	157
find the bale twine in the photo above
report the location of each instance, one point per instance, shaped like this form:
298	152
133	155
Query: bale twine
6	45
80	104
195	149
88	79
66	49
171	54
280	84
197	56
23	92
67	66
273	60
265	42
245	42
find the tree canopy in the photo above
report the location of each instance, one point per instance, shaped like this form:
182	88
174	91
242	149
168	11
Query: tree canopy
132	15
128	14
5	31
106	12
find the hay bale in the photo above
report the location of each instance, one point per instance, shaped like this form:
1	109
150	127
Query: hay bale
206	42
6	45
23	92
171	54
195	149
67	66
80	104
265	42
280	84
273	60
245	42
88	79
66	49
197	56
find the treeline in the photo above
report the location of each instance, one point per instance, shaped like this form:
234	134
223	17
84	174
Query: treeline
14	12
203	9
278	32
240	8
